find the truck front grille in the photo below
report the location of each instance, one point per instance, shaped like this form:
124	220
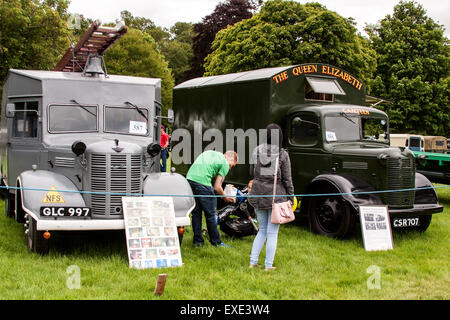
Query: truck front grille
113	173
400	175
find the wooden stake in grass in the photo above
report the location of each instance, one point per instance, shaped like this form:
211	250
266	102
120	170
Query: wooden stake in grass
160	284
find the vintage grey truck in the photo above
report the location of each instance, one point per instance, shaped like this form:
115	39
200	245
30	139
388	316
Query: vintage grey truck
73	143
337	144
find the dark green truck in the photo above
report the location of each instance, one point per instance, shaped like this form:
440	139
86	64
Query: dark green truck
336	143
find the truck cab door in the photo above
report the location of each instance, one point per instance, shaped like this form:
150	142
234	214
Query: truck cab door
23	139
303	141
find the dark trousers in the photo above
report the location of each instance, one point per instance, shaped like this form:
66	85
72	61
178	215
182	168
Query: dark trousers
164	154
208	205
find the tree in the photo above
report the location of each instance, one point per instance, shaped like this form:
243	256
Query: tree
225	14
33	34
136	54
287	32
175	44
413	70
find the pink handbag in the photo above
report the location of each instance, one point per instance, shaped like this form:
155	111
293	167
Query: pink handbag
281	212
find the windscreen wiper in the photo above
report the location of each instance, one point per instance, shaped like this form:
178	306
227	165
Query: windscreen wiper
347	117
83	107
137	109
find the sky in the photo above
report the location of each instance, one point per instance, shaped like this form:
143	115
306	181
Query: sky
165	13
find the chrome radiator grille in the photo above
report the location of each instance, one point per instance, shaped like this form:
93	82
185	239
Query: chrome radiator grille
400	175
113	173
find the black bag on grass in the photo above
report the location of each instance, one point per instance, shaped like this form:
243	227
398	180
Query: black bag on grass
236	220
237	227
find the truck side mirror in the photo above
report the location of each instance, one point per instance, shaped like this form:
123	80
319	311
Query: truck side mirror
10	110
170	116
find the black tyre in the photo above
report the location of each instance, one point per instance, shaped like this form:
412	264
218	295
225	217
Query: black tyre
330	216
35	239
424	223
10	205
19	213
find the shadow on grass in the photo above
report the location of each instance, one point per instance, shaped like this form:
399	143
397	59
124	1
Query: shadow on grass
85	244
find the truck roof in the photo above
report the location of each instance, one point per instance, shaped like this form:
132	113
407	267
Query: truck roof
260	74
78	76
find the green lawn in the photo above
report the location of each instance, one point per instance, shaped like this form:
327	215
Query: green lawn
308	267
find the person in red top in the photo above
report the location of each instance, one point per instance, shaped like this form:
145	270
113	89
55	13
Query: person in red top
164	152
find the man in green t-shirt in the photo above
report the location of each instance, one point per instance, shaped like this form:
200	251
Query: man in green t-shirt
208	166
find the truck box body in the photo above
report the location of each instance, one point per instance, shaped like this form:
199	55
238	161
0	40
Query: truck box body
253	99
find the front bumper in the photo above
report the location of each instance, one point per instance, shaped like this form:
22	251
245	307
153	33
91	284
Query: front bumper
91	224
417	210
67	224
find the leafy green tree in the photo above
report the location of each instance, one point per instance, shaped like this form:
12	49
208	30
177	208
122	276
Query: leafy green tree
178	49
175	44
136	54
33	34
226	13
413	70
287	32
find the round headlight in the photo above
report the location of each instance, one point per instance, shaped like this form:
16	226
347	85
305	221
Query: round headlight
153	149
78	147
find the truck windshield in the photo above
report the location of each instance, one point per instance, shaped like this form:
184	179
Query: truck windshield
355	128
126	120
72	118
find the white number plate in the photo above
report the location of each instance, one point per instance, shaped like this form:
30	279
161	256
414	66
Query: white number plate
405	222
65	212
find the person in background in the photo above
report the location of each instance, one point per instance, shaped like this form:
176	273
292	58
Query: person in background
262	170
164	151
208	166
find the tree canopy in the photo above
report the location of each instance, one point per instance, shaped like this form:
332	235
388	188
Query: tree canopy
413	70
225	14
288	32
33	34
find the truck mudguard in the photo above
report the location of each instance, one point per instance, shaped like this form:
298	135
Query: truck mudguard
425	196
348	185
172	184
45	188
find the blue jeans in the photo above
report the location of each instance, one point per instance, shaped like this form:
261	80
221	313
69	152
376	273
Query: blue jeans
208	205
164	154
267	231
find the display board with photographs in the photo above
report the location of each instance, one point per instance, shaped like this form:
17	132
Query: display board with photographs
376	228
151	232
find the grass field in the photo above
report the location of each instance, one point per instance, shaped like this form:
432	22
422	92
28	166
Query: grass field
308	267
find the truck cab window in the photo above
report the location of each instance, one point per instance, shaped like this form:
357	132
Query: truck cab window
25	121
72	118
126	120
304	132
375	129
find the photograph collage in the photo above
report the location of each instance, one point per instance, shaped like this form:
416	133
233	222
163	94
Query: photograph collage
151	232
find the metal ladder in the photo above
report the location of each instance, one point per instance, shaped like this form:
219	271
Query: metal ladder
96	40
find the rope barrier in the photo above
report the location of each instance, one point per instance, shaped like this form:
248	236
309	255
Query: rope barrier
219	196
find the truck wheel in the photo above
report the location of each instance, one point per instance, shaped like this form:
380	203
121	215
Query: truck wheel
9	205
330	216
35	239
